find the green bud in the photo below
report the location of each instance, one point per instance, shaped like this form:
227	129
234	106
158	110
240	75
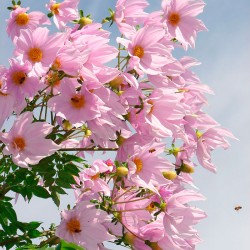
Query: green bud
170	175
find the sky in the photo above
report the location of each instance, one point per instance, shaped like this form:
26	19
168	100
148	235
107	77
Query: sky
224	53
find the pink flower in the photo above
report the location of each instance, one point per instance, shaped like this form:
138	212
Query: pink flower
129	13
147	54
7	99
208	141
38	48
75	106
63	12
20	82
20	19
26	141
179	16
91	179
69	60
84	226
146	167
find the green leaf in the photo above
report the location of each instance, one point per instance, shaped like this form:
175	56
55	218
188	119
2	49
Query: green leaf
72	169
57	189
33	225
63	183
40	192
9	213
69	157
66	177
69	246
34	233
56	198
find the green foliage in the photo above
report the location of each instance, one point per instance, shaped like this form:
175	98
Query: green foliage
48	179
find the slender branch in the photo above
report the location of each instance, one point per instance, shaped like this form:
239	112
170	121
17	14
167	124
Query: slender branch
88	149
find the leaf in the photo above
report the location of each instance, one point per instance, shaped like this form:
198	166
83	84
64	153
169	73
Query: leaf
33	225
40	192
34	233
57	189
72	169
69	246
56	198
9	213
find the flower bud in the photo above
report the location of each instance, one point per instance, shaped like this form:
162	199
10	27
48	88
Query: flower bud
84	21
121	171
155	246
67	125
129	238
187	168
170	175
115	83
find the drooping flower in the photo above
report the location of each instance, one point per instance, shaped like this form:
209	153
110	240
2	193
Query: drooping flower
26	141
20	19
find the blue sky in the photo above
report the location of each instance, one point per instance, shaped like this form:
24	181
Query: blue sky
224	52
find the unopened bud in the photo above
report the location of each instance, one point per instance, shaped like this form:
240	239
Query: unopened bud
170	175
115	83
121	171
129	238
67	125
88	133
187	168
155	246
84	21
120	140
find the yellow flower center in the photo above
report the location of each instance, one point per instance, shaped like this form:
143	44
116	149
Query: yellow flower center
138	51
74	226
77	101
139	165
35	55
22	19
55	8
174	18
18	77
19	143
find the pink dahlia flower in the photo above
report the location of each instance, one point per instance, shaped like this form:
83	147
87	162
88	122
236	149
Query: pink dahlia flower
129	13
179	16
84	226
75	106
38	48
20	82
63	12
20	19
147	54
26	141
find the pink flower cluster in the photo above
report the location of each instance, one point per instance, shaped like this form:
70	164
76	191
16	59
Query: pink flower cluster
149	108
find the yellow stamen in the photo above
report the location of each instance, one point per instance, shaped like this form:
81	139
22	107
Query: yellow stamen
78	101
19	143
74	226
174	18
18	77
55	8
22	19
139	165
138	51
35	55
